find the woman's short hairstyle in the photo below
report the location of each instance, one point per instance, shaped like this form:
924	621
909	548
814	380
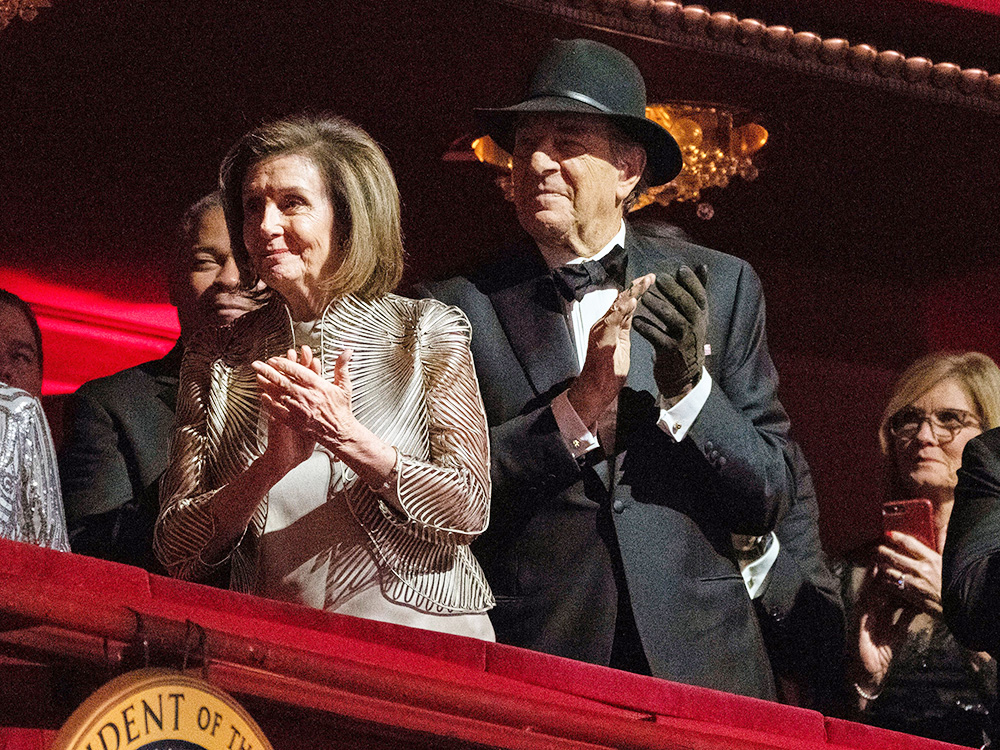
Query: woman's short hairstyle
12	300
977	374
359	183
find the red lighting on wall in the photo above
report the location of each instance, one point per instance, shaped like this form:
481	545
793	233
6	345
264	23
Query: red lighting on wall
87	335
986	6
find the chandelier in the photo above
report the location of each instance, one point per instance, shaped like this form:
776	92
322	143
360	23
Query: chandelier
26	9
717	143
713	147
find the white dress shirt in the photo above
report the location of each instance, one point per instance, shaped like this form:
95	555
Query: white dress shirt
674	421
755	571
582	315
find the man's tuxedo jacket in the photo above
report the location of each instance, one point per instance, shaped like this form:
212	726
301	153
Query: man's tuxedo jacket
115	453
971	565
656	512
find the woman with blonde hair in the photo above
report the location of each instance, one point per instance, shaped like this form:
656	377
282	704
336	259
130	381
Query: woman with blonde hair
908	671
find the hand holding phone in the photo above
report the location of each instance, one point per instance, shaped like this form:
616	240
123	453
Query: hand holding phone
913	570
914	517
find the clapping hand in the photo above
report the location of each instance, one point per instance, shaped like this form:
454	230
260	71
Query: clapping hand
299	400
882	625
904	581
673	316
286	446
608	356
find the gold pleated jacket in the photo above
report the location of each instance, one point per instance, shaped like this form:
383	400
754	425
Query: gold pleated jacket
413	385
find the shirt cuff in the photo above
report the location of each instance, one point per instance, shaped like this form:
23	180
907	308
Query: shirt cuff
677	420
579	440
755	572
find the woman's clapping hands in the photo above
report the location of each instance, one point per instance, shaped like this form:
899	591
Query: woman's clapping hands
300	401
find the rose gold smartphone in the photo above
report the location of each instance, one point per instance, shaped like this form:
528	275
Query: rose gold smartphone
913	517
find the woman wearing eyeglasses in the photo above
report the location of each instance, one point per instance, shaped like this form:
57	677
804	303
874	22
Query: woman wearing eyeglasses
908	672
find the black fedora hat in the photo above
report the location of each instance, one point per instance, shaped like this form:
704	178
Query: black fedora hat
584	76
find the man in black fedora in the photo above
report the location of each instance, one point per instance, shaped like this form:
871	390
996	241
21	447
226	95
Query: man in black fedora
631	398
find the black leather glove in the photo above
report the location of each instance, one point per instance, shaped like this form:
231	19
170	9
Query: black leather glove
673	316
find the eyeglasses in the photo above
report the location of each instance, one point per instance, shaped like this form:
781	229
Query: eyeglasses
945	423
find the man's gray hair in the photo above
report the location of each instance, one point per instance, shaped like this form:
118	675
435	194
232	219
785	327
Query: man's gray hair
621	144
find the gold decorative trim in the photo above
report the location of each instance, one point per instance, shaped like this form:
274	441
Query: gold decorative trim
26	10
696	27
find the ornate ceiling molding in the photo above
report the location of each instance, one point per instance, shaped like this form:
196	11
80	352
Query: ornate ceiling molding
695	27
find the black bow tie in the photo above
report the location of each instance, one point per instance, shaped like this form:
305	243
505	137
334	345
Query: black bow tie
576	280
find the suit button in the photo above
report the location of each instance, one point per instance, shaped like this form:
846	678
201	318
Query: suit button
722	461
618	506
708	445
715	455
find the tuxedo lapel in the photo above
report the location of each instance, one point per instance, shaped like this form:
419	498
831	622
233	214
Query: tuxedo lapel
532	317
165	374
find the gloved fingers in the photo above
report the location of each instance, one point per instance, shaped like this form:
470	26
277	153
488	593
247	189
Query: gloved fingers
648	321
661	313
694	284
679	298
651	330
701	271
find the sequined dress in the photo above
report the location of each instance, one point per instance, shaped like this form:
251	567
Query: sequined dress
31	507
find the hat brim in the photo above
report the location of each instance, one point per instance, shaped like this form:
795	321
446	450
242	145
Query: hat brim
663	155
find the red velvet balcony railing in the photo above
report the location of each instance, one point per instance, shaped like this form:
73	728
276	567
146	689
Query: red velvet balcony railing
317	680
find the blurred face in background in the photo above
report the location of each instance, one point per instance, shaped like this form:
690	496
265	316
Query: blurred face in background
20	360
206	286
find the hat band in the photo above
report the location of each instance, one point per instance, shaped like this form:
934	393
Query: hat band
576	96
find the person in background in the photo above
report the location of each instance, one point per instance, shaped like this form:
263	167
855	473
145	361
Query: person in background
623	460
908	671
117	445
798	601
332	445
31	508
971	566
